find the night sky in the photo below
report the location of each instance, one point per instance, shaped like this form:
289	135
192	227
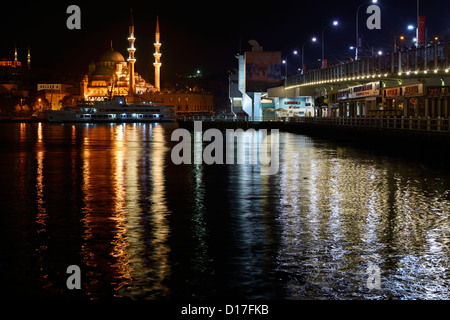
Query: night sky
203	35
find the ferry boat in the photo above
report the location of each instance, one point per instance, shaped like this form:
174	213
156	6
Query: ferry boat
112	111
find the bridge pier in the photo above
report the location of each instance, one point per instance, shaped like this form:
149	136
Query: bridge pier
446	107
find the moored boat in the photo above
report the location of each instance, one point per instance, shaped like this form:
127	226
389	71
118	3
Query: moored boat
113	111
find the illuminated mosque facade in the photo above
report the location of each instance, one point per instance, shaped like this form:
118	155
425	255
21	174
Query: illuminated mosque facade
112	75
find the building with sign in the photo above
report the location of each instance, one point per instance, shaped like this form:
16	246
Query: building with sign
359	100
187	103
258	71
406	100
54	94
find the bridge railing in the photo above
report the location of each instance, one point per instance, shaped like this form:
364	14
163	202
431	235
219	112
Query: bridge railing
428	59
438	124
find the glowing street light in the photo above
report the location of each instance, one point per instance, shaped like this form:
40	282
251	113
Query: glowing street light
313	39
335	24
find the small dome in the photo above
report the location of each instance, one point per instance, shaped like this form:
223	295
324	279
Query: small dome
111	55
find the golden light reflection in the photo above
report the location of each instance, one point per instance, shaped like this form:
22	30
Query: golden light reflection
22	132
122	163
159	210
118	246
41	217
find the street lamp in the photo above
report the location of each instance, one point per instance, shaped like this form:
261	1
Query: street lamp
402	38
285	62
415	39
335	23
314	39
418	22
357	27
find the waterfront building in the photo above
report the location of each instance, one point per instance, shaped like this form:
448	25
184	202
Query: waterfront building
14	82
258	70
194	102
53	94
14	71
360	100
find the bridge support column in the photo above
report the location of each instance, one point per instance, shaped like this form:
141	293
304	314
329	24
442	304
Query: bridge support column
433	108
446	107
439	107
341	109
427	107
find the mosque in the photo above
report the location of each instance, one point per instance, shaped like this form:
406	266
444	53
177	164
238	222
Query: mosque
112	75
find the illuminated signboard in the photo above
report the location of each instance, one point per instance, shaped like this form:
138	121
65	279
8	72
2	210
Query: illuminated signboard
362	91
411	90
262	70
438	91
366	90
48	86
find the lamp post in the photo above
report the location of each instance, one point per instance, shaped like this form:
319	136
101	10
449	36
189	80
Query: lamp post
418	22
396	46
357	27
314	39
335	23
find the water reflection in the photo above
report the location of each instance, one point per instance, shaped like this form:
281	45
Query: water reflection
341	214
108	198
125	211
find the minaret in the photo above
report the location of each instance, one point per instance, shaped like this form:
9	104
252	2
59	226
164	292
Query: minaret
131	59
15	56
29	58
157	55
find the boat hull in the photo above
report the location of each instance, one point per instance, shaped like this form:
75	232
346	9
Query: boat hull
94	115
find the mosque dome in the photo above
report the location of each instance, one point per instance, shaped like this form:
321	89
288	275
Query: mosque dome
111	56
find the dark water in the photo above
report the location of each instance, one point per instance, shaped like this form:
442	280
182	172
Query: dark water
108	199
